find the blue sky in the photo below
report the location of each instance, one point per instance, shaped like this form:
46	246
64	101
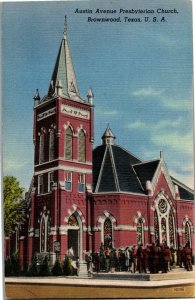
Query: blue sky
140	73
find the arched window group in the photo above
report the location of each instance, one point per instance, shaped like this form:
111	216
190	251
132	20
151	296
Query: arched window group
164	225
47	145
68	145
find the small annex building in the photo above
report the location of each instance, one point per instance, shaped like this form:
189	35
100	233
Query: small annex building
80	197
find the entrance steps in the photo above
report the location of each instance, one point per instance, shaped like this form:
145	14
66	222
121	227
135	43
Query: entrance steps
83	273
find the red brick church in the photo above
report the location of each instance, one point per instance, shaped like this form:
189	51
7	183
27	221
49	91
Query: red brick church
79	196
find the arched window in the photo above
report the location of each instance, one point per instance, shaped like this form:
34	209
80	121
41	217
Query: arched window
81	146
171	229
44	234
156	227
51	144
41	148
68	143
140	231
108	233
187	233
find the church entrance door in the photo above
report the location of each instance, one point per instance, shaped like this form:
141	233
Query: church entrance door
73	241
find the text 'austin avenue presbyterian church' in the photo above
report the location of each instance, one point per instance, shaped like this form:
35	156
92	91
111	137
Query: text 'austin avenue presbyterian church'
80	197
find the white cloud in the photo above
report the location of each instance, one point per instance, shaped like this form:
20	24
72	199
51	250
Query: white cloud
146	92
10	165
188	180
177	105
174	141
105	111
110	112
136	125
153	127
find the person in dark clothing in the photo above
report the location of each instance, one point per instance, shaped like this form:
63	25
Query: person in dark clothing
140	258
107	259
187	251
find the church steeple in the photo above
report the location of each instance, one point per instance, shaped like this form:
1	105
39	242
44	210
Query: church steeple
108	137
63	81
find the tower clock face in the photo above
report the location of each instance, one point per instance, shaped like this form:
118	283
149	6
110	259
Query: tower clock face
162	205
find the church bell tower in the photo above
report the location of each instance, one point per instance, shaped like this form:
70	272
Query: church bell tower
63	138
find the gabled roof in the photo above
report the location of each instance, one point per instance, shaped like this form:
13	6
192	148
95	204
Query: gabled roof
185	192
146	170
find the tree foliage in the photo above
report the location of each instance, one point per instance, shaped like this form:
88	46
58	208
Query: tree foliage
12	196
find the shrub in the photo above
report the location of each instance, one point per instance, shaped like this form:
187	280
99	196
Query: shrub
67	268
57	269
44	268
15	264
8	267
33	269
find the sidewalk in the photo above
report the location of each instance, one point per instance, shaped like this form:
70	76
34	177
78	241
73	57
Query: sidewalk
74	287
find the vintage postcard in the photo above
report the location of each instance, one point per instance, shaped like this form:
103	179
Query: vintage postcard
98	162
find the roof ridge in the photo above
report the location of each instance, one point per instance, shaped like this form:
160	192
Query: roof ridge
101	170
138	178
116	145
114	169
182	184
146	162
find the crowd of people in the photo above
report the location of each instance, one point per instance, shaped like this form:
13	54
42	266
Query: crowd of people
154	258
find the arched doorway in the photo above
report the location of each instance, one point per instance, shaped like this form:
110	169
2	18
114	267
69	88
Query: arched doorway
75	235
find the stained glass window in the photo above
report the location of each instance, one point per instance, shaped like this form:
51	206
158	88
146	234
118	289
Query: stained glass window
163	230
72	221
187	233
140	231
108	233
171	228
68	143
162	205
156	227
44	234
81	146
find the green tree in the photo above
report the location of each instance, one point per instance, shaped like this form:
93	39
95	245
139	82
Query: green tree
12	196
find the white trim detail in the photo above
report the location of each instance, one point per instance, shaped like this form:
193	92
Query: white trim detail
101	170
65	168
164	215
46	114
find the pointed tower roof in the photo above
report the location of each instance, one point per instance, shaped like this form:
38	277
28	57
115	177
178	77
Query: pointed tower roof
63	81
108	137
